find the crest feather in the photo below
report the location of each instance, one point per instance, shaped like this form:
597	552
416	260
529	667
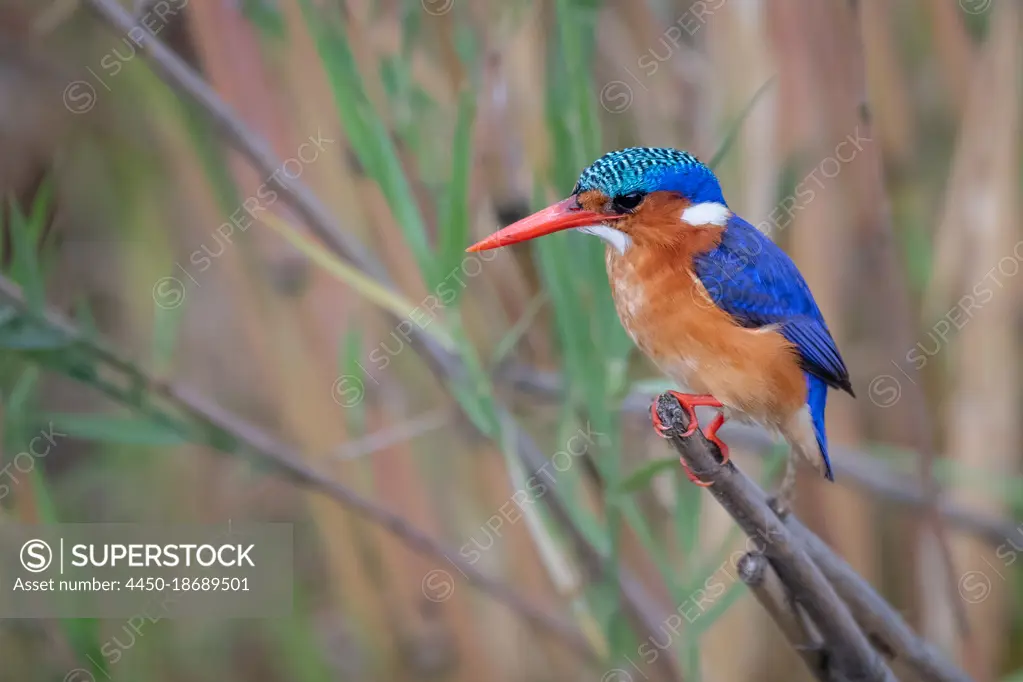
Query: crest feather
651	169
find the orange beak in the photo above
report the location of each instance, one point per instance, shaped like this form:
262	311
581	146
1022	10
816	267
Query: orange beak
560	216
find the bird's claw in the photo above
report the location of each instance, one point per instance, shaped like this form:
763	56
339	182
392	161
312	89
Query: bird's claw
689	403
711	434
659	428
693	477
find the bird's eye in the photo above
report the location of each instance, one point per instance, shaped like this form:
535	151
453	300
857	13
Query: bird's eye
626	202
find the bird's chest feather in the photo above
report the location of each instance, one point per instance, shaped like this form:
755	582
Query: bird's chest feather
671	318
660	310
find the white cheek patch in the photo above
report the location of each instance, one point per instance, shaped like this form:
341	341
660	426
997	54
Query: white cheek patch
614	238
707	213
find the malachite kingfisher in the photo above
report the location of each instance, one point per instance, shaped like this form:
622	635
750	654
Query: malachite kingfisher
714	303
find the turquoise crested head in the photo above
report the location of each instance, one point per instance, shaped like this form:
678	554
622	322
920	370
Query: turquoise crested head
645	170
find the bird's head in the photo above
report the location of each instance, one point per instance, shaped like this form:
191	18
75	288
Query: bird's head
648	195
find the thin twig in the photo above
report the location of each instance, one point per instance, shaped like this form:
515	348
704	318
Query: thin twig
856	467
289	463
393	435
849	653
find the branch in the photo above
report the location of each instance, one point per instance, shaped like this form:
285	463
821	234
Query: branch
883	625
755	571
283	459
446	366
848	652
857	467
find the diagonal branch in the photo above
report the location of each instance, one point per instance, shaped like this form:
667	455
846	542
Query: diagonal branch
882	623
445	365
849	653
754	569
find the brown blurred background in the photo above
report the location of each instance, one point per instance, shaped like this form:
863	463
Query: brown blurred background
877	141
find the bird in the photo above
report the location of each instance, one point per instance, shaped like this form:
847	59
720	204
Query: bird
711	300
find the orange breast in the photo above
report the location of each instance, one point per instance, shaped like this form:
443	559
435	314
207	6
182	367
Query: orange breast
672	319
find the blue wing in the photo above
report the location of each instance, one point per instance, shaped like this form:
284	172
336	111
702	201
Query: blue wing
755	282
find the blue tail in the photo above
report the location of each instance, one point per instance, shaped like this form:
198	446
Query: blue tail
817	398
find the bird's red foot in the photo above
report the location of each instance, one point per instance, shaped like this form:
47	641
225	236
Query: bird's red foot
689	403
710	434
693	477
